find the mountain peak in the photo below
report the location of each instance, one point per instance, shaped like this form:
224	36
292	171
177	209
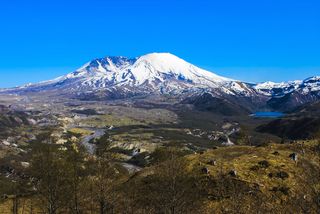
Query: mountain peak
153	67
154	72
312	79
160	56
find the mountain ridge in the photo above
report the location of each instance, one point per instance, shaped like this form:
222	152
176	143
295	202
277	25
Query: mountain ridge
117	77
157	71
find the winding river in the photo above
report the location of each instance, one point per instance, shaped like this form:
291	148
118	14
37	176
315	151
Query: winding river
97	133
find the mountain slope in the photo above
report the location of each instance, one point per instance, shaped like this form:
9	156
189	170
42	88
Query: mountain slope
160	73
287	96
165	74
207	102
302	123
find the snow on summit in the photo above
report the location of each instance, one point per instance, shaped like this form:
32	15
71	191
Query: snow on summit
157	64
161	65
154	69
161	73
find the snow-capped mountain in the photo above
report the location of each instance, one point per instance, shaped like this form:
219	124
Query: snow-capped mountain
148	69
277	89
166	74
161	73
288	95
306	86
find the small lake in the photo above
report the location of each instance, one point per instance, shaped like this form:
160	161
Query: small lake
267	114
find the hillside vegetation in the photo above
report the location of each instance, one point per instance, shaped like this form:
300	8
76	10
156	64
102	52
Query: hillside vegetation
301	123
238	179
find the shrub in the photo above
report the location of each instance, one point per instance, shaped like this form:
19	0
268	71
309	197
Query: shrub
264	164
282	174
283	189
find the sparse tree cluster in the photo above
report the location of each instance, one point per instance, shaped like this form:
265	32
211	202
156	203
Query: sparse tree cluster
74	182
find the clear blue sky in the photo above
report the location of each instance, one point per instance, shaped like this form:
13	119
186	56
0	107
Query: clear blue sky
248	40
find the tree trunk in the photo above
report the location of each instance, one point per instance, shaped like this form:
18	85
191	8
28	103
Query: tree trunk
15	206
31	207
51	209
102	207
172	210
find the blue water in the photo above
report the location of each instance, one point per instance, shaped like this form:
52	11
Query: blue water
268	114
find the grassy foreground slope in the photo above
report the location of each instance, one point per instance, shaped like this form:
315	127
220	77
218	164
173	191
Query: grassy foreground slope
270	175
237	179
243	179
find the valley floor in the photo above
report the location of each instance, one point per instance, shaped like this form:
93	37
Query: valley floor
148	156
